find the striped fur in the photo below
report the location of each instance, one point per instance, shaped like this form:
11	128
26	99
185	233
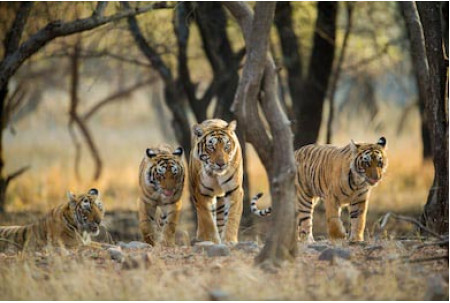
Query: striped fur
338	176
254	208
216	172
70	224
161	181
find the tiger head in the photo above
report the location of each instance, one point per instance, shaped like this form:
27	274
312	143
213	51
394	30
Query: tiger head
217	144
370	160
87	210
164	171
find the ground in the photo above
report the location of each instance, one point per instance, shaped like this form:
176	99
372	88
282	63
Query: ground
376	270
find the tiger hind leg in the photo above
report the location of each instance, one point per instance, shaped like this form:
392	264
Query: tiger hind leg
305	209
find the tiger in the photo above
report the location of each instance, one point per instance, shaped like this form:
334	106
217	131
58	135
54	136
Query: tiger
215	179
161	181
70	225
338	176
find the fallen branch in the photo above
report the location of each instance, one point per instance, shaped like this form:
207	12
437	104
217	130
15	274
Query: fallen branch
384	220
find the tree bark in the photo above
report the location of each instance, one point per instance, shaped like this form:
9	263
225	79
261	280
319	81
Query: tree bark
281	242
308	105
428	58
419	68
436	209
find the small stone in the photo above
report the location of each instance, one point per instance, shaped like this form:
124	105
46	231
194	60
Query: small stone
218	250
130	263
436	289
330	254
248	246
218	295
318	247
116	254
134	245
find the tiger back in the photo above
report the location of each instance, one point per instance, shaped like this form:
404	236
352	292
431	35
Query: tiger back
161	181
338	176
70	224
215	175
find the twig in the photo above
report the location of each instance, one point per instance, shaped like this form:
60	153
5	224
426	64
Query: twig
419	260
17	173
385	218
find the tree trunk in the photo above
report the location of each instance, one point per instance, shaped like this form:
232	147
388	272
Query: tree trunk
275	151
309	105
427	150
427	54
436	209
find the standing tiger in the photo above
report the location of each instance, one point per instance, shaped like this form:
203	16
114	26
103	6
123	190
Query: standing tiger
338	176
161	180
70	224
215	175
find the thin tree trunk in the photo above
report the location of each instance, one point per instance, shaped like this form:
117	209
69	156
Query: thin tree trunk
275	151
337	73
308	108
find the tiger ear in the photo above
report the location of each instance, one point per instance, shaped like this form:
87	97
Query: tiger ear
72	198
93	192
197	130
178	152
354	146
382	142
232	126
150	153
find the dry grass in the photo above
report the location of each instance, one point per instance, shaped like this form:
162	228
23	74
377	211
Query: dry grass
182	274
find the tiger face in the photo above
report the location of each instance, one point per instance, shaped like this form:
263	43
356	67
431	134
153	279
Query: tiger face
88	211
216	145
370	160
165	172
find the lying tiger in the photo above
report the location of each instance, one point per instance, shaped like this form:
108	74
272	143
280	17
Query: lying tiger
338	176
70	224
161	181
215	175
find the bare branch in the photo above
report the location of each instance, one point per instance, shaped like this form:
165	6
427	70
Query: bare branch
55	29
100	9
115	97
17	173
14	35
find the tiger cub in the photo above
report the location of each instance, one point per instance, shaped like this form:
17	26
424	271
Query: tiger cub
161	180
70	224
215	175
338	176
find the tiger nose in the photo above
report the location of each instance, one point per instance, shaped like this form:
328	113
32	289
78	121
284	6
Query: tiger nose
220	163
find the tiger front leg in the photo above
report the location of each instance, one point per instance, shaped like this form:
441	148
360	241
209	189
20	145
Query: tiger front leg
171	213
358	212
235	202
148	222
206	227
334	224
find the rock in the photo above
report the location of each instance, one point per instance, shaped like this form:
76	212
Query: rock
134	245
218	250
211	249
318	247
436	289
116	254
248	246
218	295
130	263
330	254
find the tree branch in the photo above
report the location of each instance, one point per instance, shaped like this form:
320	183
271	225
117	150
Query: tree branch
17	173
14	35
54	29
